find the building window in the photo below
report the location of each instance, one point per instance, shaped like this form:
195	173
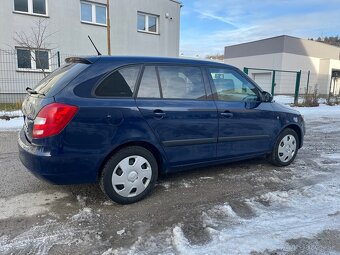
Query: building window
148	23
33	60
36	7
93	13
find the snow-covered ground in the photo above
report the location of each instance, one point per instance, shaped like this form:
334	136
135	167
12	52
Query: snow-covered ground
12	124
15	123
279	216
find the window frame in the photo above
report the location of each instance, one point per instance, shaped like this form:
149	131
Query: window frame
93	13
146	19
140	81
156	65
213	88
33	68
30	9
99	82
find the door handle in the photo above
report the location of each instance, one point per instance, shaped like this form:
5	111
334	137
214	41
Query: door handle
159	114
227	114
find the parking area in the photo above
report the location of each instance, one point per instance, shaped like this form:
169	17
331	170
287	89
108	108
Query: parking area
240	208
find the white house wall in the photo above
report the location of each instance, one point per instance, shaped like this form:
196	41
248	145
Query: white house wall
70	35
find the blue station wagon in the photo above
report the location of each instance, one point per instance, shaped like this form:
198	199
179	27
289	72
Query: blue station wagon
122	121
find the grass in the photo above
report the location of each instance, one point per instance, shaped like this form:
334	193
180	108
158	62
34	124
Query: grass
10	106
333	100
310	100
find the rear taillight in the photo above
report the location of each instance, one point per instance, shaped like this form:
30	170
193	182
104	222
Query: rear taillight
52	119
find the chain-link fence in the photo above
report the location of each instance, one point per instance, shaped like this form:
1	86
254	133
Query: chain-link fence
19	71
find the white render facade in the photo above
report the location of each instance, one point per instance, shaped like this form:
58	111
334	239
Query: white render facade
138	27
290	54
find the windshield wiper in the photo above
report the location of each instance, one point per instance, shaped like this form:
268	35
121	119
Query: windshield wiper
34	92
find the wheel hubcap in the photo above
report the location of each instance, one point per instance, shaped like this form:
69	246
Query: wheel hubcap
287	148
131	176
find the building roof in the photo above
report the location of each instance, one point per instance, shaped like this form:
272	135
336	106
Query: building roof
283	44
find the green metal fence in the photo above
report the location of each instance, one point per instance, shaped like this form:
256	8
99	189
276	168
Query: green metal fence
278	76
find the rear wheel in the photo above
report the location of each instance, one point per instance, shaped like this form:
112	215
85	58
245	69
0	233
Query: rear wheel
129	175
285	148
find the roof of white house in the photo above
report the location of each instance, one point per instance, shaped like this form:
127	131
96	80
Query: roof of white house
283	44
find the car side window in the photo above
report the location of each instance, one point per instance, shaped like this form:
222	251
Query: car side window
232	86
182	82
120	83
149	86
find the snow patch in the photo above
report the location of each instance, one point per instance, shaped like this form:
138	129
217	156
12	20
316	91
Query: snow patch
81	200
207	178
12	124
335	156
221	213
120	232
290	214
28	204
83	215
279	216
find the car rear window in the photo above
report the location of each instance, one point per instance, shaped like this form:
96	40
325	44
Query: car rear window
57	80
120	83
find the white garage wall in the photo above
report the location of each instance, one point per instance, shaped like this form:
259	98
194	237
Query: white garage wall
320	71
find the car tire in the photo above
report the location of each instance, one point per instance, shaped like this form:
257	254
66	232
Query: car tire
285	148
129	175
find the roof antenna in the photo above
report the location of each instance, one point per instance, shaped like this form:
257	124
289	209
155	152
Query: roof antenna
99	54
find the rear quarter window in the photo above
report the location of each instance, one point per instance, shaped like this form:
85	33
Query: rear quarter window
120	83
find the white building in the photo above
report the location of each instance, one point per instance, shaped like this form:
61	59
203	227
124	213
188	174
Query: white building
138	27
289	54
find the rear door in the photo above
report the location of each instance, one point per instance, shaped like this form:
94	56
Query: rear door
245	123
173	101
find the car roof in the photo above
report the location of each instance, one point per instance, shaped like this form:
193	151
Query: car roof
162	60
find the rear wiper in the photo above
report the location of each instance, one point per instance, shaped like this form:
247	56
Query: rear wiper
34	92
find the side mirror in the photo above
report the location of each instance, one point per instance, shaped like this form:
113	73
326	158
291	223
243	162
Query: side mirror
267	97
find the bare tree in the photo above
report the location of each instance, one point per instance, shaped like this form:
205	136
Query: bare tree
36	40
219	57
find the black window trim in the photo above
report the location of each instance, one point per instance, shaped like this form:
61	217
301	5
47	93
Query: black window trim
213	88
93	91
156	65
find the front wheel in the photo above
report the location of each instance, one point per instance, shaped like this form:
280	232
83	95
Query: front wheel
129	175
285	148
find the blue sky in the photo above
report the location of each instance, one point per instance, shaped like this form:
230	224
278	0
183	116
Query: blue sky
209	25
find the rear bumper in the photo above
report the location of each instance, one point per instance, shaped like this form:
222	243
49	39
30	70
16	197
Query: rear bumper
57	167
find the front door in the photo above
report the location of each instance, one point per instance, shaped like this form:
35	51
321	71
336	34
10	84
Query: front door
173	101
245	123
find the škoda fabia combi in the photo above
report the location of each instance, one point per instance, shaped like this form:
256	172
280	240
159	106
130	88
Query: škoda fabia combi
122	121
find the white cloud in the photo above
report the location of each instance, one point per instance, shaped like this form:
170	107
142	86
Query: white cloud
256	20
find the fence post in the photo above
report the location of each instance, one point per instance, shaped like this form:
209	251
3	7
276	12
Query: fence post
308	81
58	55
246	70
273	82
297	87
